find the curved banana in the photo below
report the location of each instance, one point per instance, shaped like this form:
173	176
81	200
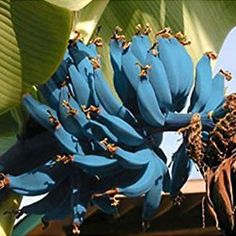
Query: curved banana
27	154
181	168
185	77
148	104
144	183
39	181
96	165
51	93
140	46
217	93
107	99
169	57
61	73
78	51
158	79
49	202
152	200
48	119
125	133
71	116
129	67
81	87
203	85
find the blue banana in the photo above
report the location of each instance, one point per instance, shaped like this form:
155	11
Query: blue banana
51	93
185	68
81	87
60	75
96	165
78	51
121	82
152	200
141	43
85	68
27	154
49	202
147	101
144	183
169	58
217	93
181	168
48	119
71	116
130	160
39	181
107	99
125	133
115	57
100	131
158	79
129	67
203	85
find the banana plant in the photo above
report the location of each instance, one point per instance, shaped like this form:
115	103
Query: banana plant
49	40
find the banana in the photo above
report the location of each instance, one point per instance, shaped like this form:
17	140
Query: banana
78	51
144	183
185	69
27	154
81	87
181	169
152	200
134	160
51	93
48	119
158	79
115	57
85	68
140	46
49	202
169	57
175	121
203	85
147	102
96	165
81	195
71	116
217	93
39	181
131	71
125	133
107	99
101	132
61	73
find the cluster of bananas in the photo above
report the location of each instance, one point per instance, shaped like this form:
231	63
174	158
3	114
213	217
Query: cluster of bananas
92	146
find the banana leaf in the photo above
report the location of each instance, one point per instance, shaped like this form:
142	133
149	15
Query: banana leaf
33	39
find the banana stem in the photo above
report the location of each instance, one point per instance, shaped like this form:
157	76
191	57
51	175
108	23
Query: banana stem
175	121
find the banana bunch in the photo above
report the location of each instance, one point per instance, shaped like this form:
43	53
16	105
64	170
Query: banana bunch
89	146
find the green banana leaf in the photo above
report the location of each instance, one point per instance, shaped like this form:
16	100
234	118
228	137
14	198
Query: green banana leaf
87	19
33	39
73	5
205	22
